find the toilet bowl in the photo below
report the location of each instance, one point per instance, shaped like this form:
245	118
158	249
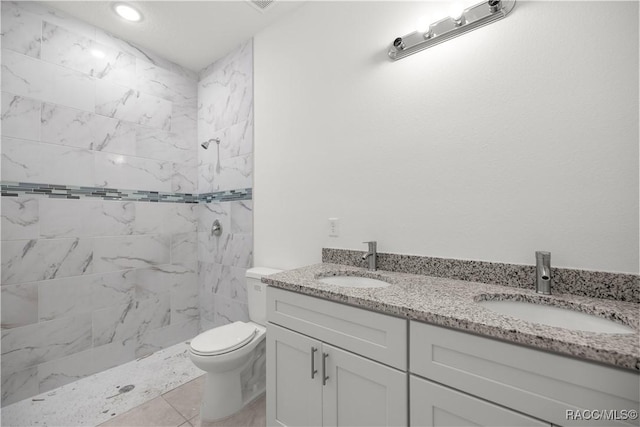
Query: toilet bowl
233	356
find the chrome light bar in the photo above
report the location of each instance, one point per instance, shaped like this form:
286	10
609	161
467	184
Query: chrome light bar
445	29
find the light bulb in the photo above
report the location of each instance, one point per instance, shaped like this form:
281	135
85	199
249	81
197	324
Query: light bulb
422	25
456	12
127	12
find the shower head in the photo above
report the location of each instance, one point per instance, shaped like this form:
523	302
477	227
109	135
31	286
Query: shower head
205	144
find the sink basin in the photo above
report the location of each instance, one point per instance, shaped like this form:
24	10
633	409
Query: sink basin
354	282
556	316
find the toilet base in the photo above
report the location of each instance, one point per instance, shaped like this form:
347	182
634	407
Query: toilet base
222	396
225	391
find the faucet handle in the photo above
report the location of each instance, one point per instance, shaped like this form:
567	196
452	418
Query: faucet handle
372	255
373	247
543	257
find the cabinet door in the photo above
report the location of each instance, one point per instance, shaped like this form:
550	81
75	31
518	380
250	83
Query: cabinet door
434	405
293	397
361	392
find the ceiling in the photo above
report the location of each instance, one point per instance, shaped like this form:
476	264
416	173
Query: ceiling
193	34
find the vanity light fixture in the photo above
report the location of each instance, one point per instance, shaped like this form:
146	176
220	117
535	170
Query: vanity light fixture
452	26
127	12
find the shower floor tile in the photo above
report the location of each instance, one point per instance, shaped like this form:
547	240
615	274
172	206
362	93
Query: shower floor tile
97	399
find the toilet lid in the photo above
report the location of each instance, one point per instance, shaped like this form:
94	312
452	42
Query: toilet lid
223	339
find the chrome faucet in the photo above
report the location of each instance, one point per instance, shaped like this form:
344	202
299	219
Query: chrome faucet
372	255
543	272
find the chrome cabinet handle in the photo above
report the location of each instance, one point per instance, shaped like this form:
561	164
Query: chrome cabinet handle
325	377
314	371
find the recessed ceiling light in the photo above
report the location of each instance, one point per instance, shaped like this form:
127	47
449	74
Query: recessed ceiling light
127	12
98	53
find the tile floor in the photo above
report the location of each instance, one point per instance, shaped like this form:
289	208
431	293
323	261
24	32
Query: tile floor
180	408
167	393
172	409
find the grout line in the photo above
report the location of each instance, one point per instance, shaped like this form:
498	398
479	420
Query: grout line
173	407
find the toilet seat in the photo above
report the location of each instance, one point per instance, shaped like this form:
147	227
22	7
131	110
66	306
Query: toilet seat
223	339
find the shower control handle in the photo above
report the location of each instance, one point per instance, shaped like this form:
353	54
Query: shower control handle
314	371
325	377
216	228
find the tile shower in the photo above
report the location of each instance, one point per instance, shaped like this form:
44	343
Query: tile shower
110	257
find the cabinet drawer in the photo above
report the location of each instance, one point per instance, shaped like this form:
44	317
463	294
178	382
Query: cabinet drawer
373	335
434	405
531	381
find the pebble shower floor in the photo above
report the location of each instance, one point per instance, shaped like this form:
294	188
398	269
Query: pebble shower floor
100	397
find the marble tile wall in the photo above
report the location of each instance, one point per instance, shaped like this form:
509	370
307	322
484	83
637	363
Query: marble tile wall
106	112
90	284
87	285
223	262
225	111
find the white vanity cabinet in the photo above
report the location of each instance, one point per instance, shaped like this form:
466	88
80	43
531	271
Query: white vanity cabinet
333	364
435	405
491	376
323	364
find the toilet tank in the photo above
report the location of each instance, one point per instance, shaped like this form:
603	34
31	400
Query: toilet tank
257	293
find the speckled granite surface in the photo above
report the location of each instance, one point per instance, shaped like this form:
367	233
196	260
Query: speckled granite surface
596	284
451	303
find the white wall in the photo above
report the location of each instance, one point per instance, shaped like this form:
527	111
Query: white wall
517	137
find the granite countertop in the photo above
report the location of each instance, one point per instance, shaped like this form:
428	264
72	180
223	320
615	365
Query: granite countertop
452	303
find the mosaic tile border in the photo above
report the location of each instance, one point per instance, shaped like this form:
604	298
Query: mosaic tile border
17	189
595	284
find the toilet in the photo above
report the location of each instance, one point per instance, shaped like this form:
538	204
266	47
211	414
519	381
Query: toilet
234	356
